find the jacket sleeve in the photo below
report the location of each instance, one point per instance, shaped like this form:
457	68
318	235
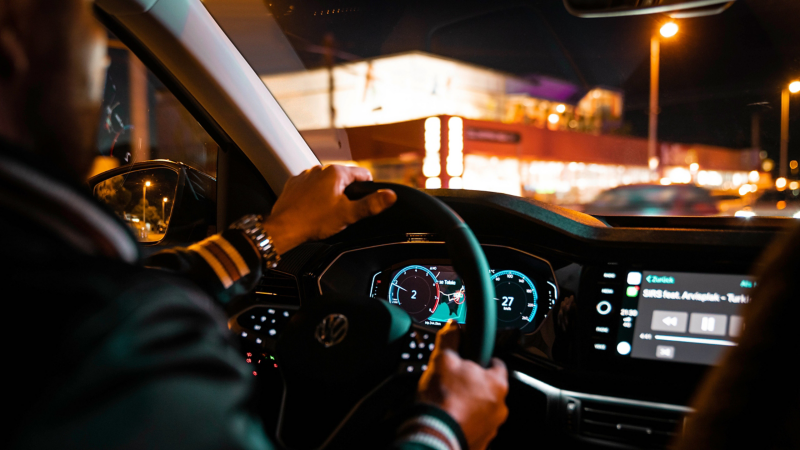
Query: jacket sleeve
225	265
429	428
155	369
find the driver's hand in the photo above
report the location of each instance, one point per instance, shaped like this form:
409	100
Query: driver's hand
473	396
313	205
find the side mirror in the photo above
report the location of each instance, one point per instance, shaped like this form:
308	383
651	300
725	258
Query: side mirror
677	9
163	202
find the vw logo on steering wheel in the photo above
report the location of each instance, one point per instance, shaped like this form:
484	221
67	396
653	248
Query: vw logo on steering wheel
331	330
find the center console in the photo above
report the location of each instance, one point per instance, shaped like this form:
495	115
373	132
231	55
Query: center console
648	334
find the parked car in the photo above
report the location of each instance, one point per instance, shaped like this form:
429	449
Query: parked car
774	203
654	200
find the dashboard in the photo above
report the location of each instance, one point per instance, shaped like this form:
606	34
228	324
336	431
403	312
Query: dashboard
685	317
607	325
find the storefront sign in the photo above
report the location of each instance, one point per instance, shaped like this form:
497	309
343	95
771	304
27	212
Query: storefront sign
488	135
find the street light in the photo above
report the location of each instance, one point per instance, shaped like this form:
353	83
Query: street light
668	30
793	88
163	217
144	204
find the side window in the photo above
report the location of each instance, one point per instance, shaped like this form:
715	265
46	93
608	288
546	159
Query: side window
141	120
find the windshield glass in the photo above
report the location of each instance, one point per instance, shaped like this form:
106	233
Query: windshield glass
607	116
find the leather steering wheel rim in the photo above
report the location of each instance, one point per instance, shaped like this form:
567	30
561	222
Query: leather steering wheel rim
468	260
339	348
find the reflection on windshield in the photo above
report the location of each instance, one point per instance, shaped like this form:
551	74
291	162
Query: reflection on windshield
141	120
606	116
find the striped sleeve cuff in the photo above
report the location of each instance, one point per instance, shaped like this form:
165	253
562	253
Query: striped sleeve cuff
231	257
433	428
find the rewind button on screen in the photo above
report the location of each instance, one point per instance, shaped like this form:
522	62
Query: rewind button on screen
673	321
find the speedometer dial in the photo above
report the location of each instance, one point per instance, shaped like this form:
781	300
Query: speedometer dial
517	300
416	290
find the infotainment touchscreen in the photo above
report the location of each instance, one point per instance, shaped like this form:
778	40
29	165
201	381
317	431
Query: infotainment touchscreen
679	316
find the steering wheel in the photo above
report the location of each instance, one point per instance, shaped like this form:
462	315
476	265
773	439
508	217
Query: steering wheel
336	352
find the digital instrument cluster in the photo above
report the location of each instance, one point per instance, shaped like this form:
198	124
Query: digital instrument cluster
433	293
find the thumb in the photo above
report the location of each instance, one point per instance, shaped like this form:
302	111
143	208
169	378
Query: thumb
372	204
498	368
448	337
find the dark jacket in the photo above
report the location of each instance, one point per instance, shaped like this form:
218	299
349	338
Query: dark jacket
102	352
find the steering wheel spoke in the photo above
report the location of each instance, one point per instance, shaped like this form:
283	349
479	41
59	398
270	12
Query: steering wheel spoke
416	348
262	324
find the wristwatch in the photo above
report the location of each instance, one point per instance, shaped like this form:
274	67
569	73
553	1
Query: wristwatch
252	227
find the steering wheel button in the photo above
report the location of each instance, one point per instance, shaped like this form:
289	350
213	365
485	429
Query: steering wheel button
286	314
244	333
258	340
420	356
413	334
263	318
412	344
272	332
410	368
424	367
270	311
405	356
425	336
430	347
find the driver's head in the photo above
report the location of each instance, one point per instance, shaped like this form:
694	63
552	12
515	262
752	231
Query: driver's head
52	72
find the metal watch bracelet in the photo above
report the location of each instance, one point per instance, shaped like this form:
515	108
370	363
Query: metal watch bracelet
252	227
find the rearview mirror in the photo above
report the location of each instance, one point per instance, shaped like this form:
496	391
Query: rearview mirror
678	9
162	202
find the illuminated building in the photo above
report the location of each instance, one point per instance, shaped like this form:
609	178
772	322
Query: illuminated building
558	166
429	121
415	85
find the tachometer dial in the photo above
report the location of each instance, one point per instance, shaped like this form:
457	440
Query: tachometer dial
416	290
517	299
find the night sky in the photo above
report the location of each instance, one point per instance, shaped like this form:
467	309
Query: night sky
715	74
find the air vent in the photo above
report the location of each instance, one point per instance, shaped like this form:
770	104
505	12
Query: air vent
278	287
633	425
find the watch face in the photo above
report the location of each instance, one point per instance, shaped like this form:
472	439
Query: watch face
250	225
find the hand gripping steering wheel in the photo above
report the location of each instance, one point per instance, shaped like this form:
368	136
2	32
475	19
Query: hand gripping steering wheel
338	353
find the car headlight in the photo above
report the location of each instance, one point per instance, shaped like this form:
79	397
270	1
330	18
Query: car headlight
747	213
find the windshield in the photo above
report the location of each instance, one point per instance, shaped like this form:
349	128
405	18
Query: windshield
607	116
